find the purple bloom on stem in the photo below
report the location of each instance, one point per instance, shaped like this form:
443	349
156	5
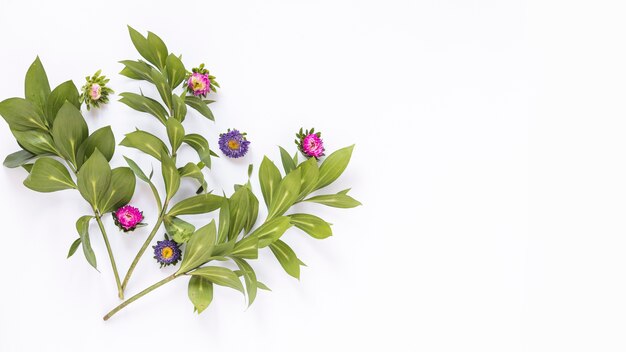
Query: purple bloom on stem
310	143
198	84
233	144
167	252
127	218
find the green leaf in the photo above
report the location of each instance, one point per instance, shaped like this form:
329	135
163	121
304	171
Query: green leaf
200	106
249	277
74	247
48	175
271	230
142	46
170	175
239	205
338	200
286	194
145	104
175	70
224	225
137	170
82	226
200	204
288	163
310	177
145	142
200	291
247	248
179	230
262	286
175	133
35	141
192	170
94	178
270	178
199	248
201	145
223	249
164	89
66	91
120	191
287	258
37	88
22	115
102	139
311	224
333	166
180	109
138	70
220	276
253	211
158	48
17	159
69	131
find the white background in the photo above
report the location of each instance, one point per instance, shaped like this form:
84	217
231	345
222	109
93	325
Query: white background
489	159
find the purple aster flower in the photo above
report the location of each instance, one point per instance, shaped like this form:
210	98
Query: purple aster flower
310	143
199	82
127	218
233	144
167	252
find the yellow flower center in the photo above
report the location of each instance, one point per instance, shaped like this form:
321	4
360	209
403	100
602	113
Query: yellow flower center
167	253
198	84
233	144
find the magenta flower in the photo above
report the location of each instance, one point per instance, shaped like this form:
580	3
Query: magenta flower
198	84
310	143
127	218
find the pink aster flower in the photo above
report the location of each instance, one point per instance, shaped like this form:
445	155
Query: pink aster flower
199	84
127	218
310	143
95	92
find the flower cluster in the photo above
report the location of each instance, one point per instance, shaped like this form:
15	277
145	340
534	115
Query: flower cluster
95	91
199	82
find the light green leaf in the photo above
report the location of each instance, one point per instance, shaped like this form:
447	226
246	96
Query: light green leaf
310	177
120	191
175	70
37	88
145	142
69	131
271	230
338	200
35	141
145	104
288	163
179	230
247	248
287	258
200	106
17	159
102	139
164	89
199	248
239	206
200	204
82	226
269	178
220	276
49	175
201	145
253	211
180	109
262	286
200	292
224	225
249	277
286	194
94	178
22	115
312	225
333	166
170	175
192	170
66	91
175	133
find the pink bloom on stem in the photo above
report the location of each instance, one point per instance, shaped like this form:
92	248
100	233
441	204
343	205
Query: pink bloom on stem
312	145
199	84
95	92
128	217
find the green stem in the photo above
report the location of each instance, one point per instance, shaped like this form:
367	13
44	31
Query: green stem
139	295
145	245
120	290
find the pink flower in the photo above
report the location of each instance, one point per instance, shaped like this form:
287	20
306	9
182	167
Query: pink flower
95	92
199	84
127	218
312	145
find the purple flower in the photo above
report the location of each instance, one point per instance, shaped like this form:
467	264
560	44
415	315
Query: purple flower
198	84
167	252
233	144
127	218
310	143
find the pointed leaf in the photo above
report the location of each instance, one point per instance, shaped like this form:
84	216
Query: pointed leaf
175	69
94	178
200	106
66	91
145	142
333	166
102	139
288	163
22	115
338	200
74	247
35	141
247	248
220	276
49	175
311	224
179	230
69	131
37	88
286	194
82	226
120	191
175	133
201	145
249	277
200	204
269	178
287	258
17	159
200	292
272	230
145	104
199	248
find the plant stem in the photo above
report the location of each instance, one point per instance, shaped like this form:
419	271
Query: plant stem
120	290
145	245
139	295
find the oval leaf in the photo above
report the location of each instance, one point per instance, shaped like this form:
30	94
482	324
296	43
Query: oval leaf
103	139
144	104
66	91
199	248
145	142
311	224
220	276
287	258
49	175
200	204
175	133
270	178
170	175
286	194
36	86
69	131
179	230
333	166
94	178
21	114
272	230
121	189
200	292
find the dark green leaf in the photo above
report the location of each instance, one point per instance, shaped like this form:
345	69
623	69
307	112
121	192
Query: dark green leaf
175	133
17	159
74	247
201	145
137	170
94	178
180	109
102	139
164	89
121	189
37	88
138	70
170	175
48	175
22	115
69	131
193	171
66	91
176	71
142	46
35	141
158	48
82	226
